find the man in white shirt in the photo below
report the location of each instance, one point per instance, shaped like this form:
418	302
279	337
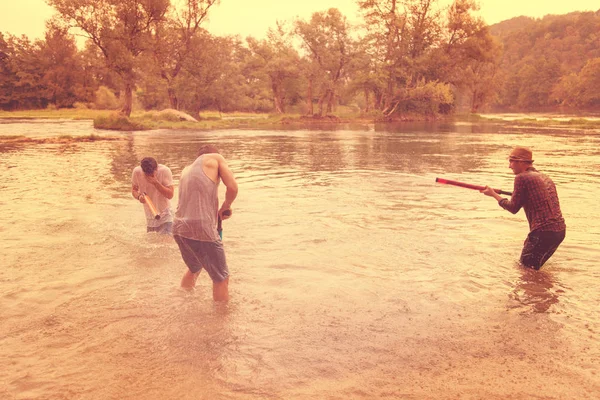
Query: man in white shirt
155	182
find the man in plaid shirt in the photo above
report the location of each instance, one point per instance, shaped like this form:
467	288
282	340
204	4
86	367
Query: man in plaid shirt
536	193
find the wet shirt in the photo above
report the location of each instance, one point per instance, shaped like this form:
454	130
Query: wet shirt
536	193
196	214
162	204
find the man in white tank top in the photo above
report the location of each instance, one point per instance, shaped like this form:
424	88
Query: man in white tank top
154	182
196	219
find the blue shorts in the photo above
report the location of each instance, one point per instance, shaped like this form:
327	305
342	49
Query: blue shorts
207	255
165	229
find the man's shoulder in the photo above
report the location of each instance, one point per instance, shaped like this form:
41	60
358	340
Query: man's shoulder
531	176
212	159
137	170
213	156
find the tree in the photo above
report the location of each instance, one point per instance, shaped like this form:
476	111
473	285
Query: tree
327	40
8	76
543	58
274	59
386	22
589	84
119	28
173	37
22	84
406	35
63	68
215	78
472	55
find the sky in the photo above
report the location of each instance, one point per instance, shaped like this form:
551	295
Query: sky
254	17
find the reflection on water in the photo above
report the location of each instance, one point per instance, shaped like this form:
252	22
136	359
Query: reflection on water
536	290
354	275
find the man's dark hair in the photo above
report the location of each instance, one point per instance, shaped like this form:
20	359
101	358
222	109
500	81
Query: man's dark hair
207	149
149	165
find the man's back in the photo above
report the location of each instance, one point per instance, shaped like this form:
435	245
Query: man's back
539	200
196	215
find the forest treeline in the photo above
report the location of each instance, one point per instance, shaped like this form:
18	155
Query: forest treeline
409	57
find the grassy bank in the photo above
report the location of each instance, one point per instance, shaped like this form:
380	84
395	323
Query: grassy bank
142	120
63	113
541	122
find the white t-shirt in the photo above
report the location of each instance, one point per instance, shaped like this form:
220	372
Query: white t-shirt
162	204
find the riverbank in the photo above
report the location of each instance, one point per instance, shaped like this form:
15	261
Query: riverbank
209	120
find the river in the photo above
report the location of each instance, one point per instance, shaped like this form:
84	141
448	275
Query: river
353	274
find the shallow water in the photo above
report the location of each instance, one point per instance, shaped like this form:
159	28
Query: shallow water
354	275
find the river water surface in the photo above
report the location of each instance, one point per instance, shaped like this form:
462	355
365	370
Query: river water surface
353	274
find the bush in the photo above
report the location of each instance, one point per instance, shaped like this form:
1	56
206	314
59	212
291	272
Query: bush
80	106
117	122
105	99
429	98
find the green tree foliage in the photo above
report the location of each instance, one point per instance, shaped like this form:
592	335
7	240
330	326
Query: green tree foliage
215	78
543	61
580	90
37	74
23	82
172	40
105	99
120	29
326	38
589	84
424	98
275	62
417	43
414	57
64	75
8	76
386	23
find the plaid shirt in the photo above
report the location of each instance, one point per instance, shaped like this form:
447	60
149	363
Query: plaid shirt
536	193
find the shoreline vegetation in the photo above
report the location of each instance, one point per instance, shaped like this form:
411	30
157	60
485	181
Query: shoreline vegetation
208	120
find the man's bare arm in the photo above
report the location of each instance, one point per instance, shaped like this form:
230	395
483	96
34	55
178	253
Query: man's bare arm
135	192
229	181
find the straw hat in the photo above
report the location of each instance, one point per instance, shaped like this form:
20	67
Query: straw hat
521	154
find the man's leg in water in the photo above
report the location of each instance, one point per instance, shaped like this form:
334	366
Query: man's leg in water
221	290
189	279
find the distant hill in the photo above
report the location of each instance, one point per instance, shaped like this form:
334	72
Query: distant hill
549	62
511	25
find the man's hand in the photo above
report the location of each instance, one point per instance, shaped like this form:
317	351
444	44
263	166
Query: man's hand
488	191
166	191
135	192
152	179
225	212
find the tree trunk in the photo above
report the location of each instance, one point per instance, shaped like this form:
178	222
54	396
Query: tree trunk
309	102
128	99
474	102
367	105
173	100
321	100
378	97
277	100
389	94
330	99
